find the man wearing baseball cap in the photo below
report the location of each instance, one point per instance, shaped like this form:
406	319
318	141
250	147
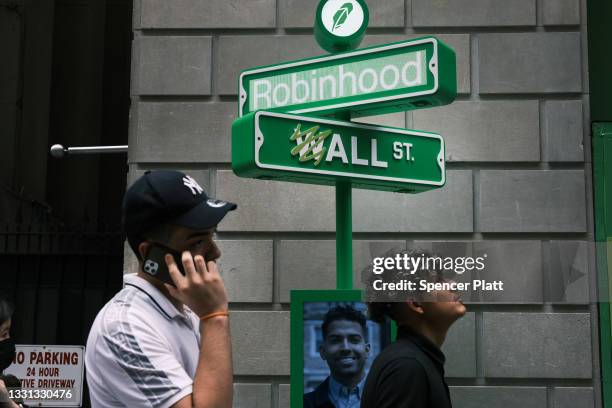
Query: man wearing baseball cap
164	340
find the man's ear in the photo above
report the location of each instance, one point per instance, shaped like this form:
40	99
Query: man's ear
416	307
143	248
367	348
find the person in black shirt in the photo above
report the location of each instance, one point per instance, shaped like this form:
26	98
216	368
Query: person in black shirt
409	373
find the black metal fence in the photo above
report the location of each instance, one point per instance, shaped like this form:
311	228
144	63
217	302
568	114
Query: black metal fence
58	279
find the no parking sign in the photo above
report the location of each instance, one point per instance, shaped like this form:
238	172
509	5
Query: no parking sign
51	376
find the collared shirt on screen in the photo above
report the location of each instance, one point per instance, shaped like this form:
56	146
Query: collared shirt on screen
342	397
141	351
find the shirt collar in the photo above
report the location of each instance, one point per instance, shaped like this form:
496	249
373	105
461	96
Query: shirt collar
337	388
154	294
422	342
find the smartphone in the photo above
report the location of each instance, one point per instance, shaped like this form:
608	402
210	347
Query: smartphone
155	264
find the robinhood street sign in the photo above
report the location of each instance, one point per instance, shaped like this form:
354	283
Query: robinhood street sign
275	145
393	77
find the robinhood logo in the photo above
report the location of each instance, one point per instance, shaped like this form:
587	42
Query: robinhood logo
342	18
341	15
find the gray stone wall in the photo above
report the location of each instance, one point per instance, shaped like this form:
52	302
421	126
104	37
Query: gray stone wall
519	182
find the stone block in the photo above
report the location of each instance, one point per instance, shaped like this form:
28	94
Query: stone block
473	13
518	264
208	14
185	132
305	265
246	268
568	272
532	201
448	209
564	133
460	348
485	131
172	65
561	12
252	395
283	395
260	343
537	345
301	13
542	62
503	397
240	52
573	397
275	206
458	42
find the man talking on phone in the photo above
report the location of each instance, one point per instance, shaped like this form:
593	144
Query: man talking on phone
164	339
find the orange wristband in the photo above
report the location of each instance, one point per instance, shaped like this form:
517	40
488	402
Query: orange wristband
211	315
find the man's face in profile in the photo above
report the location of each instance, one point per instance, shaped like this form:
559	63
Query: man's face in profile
345	349
443	306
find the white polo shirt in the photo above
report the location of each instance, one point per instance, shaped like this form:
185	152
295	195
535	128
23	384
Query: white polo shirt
141	351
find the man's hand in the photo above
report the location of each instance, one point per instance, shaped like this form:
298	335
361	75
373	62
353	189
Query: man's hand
201	288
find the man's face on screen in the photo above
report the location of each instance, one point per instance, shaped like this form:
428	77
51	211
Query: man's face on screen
345	348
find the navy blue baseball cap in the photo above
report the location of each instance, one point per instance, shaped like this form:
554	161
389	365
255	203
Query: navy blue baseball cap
168	196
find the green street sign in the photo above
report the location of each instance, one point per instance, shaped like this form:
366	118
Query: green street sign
392	77
282	146
340	24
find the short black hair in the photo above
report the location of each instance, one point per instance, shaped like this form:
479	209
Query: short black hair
160	233
346	312
6	310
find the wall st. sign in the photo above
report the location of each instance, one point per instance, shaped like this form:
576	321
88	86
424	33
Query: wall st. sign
273	145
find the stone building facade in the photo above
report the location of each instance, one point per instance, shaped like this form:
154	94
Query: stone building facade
518	183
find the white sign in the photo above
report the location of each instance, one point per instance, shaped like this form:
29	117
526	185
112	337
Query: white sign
51	376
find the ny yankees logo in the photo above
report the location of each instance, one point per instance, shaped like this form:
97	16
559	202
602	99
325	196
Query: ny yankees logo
193	185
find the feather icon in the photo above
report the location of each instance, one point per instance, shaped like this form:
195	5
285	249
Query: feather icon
341	15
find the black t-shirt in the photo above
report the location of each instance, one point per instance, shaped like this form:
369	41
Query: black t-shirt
407	374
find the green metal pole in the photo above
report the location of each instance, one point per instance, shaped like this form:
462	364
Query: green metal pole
344	236
344	229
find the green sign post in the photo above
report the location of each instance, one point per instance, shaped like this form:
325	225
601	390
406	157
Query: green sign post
294	123
277	137
274	145
388	78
